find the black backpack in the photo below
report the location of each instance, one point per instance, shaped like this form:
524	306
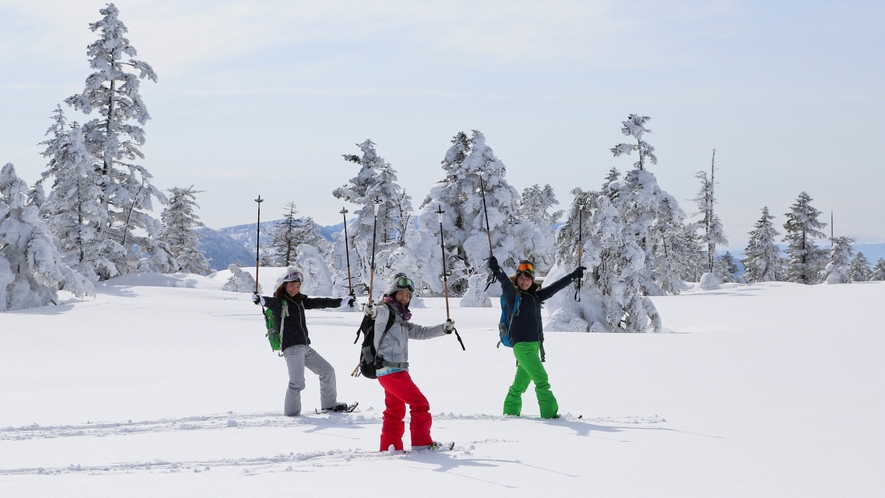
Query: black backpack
369	362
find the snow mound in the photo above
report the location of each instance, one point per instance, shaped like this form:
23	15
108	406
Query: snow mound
186	280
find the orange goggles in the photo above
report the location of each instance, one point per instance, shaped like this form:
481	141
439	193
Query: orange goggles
526	267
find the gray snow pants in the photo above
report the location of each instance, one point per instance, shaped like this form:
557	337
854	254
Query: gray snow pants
297	358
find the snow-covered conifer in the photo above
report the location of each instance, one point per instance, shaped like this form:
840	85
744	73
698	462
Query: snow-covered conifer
375	186
180	224
879	270
282	247
72	210
534	207
804	259
860	270
31	268
762	257
838	268
470	165
713	233
635	127
726	268
114	139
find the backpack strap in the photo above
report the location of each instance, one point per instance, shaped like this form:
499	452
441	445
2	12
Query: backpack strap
284	313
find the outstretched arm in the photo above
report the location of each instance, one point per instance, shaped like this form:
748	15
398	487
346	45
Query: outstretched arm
546	292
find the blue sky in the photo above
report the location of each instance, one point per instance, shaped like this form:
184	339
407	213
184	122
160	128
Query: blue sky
264	97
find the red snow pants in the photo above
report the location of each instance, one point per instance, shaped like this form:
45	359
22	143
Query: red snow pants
400	390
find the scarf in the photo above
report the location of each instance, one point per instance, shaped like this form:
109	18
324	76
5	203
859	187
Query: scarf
398	306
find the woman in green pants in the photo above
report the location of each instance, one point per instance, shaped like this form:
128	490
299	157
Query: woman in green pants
527	334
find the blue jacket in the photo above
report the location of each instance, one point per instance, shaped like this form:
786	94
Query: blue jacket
526	323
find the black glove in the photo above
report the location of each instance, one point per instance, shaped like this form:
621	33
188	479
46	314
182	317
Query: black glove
449	326
579	272
256	298
493	264
351	299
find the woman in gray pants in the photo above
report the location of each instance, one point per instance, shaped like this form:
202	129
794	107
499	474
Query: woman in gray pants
288	305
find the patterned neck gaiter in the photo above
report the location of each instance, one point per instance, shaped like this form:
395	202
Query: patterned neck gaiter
402	310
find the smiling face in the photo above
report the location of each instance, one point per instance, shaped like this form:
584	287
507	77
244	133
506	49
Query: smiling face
524	281
293	288
403	297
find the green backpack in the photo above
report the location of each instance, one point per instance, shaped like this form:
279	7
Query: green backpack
274	330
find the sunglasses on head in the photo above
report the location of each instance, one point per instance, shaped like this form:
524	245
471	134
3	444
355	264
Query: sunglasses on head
405	282
294	276
526	267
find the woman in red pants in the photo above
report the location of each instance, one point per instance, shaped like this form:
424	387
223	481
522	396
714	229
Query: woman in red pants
392	369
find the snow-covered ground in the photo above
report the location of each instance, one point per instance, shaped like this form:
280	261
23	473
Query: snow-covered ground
166	386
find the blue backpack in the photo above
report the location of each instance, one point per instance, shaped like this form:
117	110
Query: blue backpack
506	321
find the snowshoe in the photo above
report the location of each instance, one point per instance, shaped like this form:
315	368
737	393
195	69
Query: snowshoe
341	408
435	446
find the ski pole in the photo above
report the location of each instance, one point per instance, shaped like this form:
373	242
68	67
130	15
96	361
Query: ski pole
374	238
482	190
439	212
347	252
372	269
580	249
259	200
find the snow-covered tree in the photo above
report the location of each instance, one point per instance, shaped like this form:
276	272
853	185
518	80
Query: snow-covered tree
838	268
239	280
287	234
687	252
317	276
632	231
860	270
635	127
726	268
114	140
534	207
804	258
180	224
763	261
472	172
31	268
71	210
713	233
374	187
879	270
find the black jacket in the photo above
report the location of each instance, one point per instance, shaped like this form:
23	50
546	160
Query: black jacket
526	324
294	330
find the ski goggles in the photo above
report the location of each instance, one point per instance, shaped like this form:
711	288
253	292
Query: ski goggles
294	276
405	283
526	268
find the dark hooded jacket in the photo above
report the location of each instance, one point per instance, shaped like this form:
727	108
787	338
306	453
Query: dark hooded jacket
294	330
526	323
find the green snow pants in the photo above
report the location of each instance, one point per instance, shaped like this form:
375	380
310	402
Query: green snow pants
530	369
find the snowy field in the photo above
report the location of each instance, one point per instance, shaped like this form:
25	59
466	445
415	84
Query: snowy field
165	386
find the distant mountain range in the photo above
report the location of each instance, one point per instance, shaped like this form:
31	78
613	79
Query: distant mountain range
236	244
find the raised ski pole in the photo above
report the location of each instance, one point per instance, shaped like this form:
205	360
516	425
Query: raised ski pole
374	238
377	202
259	200
580	207
266	313
439	212
347	252
482	190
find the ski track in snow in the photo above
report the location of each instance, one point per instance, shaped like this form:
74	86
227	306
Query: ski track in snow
258	465
260	420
